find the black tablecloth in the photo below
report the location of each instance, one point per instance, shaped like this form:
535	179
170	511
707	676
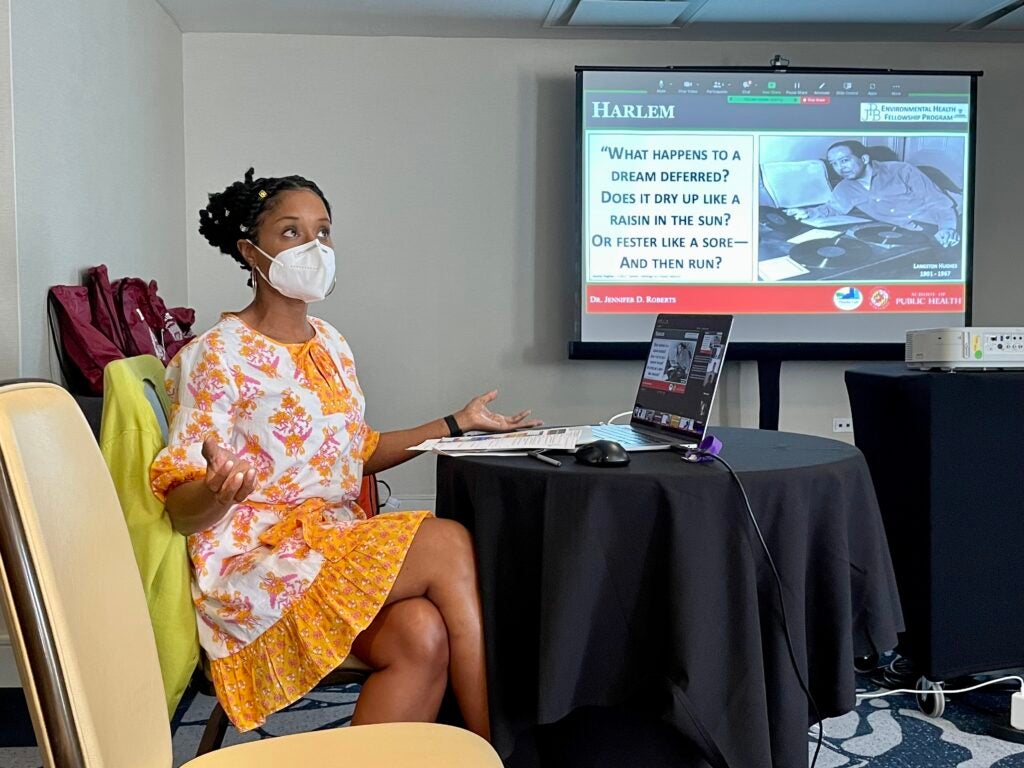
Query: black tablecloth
946	452
609	586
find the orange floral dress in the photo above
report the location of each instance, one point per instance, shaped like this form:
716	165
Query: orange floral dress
287	579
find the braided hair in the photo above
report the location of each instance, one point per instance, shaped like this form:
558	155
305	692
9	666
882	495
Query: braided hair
235	213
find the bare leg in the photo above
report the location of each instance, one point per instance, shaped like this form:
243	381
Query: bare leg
440	565
407	646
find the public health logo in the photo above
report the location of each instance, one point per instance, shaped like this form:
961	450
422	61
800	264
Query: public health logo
848	298
879	298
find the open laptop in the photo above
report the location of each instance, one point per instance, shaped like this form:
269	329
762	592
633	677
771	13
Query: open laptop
677	387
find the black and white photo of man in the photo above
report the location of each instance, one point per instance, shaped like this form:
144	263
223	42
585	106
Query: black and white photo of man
891	191
677	367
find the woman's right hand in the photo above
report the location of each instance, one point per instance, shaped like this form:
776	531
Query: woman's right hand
229	478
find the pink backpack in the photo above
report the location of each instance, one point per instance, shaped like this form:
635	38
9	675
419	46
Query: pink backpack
101	321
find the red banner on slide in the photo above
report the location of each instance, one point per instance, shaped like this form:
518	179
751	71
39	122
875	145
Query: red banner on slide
775	299
664	386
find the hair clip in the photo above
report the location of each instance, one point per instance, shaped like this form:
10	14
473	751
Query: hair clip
262	194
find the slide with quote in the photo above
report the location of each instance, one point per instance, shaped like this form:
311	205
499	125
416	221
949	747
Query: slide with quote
781	194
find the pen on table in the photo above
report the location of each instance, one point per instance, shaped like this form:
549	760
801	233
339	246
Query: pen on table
539	456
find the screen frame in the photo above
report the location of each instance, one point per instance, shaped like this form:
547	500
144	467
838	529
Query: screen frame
761	350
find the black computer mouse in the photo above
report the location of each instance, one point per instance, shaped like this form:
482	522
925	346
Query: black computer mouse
602	453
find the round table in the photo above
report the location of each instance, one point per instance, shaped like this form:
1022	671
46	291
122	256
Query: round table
647	583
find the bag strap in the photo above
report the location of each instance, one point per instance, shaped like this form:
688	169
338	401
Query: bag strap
103	304
51	312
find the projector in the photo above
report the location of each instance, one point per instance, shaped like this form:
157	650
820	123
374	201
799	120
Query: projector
954	349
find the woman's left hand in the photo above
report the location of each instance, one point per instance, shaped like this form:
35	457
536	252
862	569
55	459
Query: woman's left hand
477	416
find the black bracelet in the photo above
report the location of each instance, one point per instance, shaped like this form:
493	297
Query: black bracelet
453	426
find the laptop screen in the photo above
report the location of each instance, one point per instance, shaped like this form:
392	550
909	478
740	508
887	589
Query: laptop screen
680	378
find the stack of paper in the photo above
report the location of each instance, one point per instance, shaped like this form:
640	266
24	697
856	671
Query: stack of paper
560	438
780	269
815	234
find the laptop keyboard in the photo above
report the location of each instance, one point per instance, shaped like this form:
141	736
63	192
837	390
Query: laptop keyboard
624	435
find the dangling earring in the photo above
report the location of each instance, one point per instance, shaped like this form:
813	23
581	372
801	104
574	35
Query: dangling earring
252	280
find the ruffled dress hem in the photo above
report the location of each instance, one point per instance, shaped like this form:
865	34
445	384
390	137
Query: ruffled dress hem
316	632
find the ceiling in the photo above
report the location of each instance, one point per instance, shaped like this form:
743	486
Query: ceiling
809	20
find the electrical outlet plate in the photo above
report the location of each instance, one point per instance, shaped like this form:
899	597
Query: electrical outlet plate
842	424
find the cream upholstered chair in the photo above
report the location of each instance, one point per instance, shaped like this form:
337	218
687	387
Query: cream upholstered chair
81	631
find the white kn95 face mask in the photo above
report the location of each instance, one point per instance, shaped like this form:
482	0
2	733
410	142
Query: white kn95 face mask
304	272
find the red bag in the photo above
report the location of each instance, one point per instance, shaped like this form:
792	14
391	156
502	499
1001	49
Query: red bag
149	327
103	321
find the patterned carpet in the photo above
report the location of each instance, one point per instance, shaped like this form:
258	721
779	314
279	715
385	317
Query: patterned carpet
880	733
892	732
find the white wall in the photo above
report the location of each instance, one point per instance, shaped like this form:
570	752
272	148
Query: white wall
450	165
9	304
95	170
98	132
9	301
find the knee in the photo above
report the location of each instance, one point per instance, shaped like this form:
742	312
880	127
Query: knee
423	635
455	546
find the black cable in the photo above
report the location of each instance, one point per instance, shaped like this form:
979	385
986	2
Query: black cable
782	604
380	504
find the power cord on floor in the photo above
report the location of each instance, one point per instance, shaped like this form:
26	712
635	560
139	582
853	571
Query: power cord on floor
1016	700
880	694
782	603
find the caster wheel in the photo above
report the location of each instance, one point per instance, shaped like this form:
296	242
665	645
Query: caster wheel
932	704
865	664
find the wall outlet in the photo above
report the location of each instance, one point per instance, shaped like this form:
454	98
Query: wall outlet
842	424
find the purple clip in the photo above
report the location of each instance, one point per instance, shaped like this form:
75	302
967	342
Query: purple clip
710	446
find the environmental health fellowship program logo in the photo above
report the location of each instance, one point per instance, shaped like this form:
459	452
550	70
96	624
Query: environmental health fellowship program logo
879	298
848	298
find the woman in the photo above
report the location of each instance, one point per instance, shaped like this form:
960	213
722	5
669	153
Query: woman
264	462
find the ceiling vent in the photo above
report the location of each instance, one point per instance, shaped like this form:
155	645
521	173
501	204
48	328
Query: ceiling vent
642	14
